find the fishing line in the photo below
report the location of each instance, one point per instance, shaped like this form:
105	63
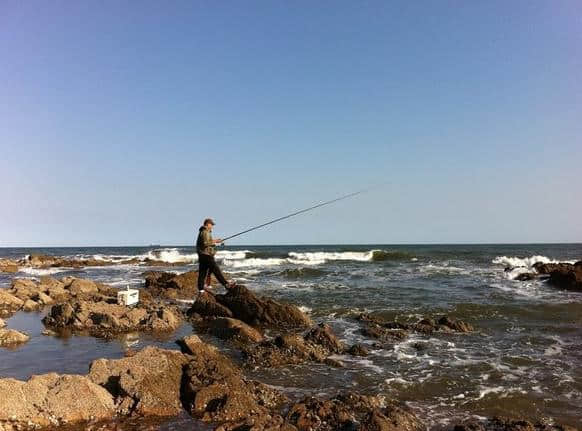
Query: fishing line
299	212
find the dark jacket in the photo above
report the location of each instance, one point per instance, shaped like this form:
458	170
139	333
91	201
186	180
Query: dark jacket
204	243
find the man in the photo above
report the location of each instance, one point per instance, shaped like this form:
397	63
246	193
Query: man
205	249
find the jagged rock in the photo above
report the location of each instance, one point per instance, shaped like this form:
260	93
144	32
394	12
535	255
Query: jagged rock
207	306
323	335
30	305
351	411
358	350
170	285
50	400
295	349
104	319
11	337
215	390
563	275
256	311
505	424
148	383
229	329
9	302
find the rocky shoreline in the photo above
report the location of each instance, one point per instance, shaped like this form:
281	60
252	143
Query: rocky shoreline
199	379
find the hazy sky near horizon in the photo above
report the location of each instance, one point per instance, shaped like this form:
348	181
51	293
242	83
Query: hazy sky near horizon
128	122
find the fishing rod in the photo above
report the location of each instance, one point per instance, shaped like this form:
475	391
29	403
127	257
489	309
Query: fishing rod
297	213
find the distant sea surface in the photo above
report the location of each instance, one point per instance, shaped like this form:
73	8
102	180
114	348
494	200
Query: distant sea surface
523	360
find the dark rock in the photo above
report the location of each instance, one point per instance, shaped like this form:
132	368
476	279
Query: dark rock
505	424
526	276
454	325
170	285
207	306
358	350
233	329
323	335
255	311
564	275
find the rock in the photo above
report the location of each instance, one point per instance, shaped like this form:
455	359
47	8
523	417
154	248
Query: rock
351	411
52	400
2	323
190	344
11	337
170	285
526	276
562	275
259	423
454	325
255	311
8	265
207	306
9	302
44	299
77	286
289	349
215	390
358	350
505	424
102	319
30	305
229	329
148	383
324	336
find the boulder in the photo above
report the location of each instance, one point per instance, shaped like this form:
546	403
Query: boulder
102	319
506	424
207	306
170	285
255	311
351	411
2	323
51	400
8	265
148	383
78	286
30	305
358	350
11	337
233	329
324	336
9	302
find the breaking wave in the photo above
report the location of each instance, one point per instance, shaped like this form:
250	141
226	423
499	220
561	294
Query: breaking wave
516	266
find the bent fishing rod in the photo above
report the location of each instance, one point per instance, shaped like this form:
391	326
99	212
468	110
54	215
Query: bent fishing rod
297	213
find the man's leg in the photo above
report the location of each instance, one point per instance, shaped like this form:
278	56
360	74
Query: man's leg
214	269
203	270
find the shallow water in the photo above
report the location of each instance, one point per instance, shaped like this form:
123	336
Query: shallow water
523	360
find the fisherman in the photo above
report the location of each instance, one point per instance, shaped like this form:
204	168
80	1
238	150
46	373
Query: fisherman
205	249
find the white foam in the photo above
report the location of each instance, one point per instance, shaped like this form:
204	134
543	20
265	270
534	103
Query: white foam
253	262
527	262
40	271
316	258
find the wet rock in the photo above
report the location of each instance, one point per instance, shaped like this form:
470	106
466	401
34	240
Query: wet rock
376	331
51	400
233	329
505	424
11	337
323	336
293	348
358	350
103	319
563	275
170	285
207	306
351	411
246	306
526	276
213	389
265	422
9	302
454	325
148	383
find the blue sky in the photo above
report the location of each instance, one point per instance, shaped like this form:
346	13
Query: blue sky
127	123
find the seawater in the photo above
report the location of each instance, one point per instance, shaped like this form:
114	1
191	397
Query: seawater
523	360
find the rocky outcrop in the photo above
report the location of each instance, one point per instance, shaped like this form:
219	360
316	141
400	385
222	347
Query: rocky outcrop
242	304
505	424
351	411
8	265
392	331
103	319
233	329
170	285
30	295
563	275
52	400
148	383
316	345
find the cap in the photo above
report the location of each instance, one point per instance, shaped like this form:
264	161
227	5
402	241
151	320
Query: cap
208	220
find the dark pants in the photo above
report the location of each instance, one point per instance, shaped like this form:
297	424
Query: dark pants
207	265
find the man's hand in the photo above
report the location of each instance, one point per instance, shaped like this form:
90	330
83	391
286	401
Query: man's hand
217	241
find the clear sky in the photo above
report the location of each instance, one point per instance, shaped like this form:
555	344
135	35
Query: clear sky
128	122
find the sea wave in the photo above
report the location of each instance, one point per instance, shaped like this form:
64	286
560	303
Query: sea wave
516	266
40	271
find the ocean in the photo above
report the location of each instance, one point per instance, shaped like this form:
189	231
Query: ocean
523	360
